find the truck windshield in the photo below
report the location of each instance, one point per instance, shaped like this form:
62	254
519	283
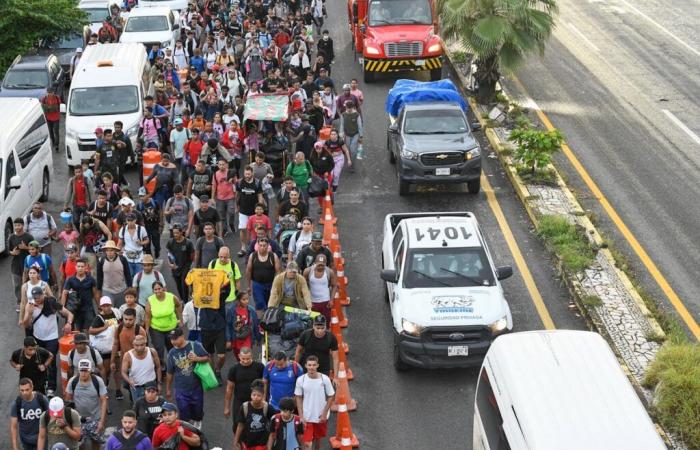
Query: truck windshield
447	267
26	79
428	121
398	12
102	101
146	23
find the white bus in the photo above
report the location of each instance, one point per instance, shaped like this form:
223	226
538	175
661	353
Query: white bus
558	390
109	84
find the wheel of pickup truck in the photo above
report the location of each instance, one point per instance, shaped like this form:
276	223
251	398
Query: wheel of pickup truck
404	188
399	363
474	186
392	158
436	74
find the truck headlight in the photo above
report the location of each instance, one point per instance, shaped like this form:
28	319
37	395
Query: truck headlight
473	153
411	328
372	50
407	154
499	326
165	44
434	48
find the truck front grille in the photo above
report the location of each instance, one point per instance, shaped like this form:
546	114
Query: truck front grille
87	146
403	49
458	335
442	159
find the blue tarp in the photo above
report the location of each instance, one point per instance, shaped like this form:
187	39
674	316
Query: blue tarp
411	91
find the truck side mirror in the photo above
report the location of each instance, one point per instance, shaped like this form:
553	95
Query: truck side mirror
62	108
15	182
394	128
354	12
389	275
475	126
504	272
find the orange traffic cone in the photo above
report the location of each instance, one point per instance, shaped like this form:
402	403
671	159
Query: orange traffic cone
328	216
327	233
343	390
343	361
338	308
342	284
335	329
344	436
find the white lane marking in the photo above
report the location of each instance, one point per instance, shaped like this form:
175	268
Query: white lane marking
659	26
583	37
682	126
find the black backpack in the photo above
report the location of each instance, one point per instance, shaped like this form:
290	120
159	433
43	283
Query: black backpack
95	383
273	319
43	403
131	443
203	442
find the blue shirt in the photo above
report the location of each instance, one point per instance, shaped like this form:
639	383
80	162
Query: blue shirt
42	262
281	382
184	378
198	63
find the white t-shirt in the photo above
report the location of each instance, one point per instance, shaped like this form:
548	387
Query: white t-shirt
131	243
314	391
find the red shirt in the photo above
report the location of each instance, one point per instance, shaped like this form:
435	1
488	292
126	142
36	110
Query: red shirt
79	190
255	220
52	107
163	432
193	149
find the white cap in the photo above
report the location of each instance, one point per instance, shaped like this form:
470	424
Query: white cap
56	407
84	364
126	201
79	50
105	300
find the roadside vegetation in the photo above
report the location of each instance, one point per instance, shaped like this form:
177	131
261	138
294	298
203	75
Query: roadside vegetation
24	23
533	153
570	245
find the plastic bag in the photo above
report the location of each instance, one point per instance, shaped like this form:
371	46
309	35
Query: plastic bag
206	375
317	186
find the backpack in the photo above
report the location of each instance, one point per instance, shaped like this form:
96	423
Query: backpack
295	367
272	319
131	443
122	232
28	220
67	414
43	403
71	355
203	441
159	278
95	383
246	406
121	327
277	423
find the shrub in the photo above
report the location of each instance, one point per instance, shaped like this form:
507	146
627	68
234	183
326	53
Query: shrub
534	148
569	244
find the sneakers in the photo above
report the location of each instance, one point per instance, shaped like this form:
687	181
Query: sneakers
118	394
241	254
359	156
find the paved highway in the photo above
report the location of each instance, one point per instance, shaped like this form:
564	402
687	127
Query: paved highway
620	79
414	410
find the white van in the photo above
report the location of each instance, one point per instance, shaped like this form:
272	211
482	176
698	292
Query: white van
155	25
97	11
554	390
109	84
175	5
26	160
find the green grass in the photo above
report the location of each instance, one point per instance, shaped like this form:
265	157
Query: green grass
569	244
675	376
541	176
591	301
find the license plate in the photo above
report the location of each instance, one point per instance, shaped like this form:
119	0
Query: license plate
442	171
458	350
419	62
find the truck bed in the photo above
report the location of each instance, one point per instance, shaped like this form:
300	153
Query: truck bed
395	218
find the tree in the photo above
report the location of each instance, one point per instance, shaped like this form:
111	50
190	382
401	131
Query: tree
24	23
534	148
500	33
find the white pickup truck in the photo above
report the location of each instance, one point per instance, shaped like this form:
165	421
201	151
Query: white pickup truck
447	304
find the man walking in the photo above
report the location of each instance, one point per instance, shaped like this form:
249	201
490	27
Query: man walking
82	289
78	195
113	274
51	103
239	380
140	367
25	415
128	437
59	425
280	378
314	395
41	225
89	394
149	409
18	246
32	363
320	343
171	426
180	258
225	263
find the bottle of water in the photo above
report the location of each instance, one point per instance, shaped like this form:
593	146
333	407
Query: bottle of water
360	151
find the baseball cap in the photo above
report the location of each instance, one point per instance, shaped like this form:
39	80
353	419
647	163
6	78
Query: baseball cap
80	338
320	320
167	406
79	50
37	291
34	244
177	121
204	198
71	248
126	201
56	407
317	236
29	341
176	333
99	130
293	266
142	191
346	87
84	364
151	385
318	144
105	300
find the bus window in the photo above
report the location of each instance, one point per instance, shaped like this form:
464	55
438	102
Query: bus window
491	418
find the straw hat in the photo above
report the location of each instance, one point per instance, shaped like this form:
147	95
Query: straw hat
110	245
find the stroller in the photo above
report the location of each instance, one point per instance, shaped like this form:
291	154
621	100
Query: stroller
287	227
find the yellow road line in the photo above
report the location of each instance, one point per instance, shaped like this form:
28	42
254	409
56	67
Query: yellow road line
517	255
622	227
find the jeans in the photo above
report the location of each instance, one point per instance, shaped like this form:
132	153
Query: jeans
17	287
78	212
160	341
227	213
353	142
153	247
117	297
261	295
83	317
52	346
137	392
134	268
53	132
190	403
162	195
182	289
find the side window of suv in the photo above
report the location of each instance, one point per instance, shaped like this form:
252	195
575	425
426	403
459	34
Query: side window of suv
32	141
10	171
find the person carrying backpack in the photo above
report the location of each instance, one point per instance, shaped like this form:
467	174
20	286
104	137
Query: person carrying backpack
279	378
286	429
252	430
301	171
152	221
25	415
128	437
60	424
89	394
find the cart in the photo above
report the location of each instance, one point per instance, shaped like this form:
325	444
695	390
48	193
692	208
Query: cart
273	342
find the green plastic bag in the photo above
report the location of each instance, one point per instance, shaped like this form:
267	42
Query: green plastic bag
206	375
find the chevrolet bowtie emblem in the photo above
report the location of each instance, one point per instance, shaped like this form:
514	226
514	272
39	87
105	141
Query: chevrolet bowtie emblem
441	156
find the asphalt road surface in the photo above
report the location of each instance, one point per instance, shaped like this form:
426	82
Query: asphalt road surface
419	409
620	79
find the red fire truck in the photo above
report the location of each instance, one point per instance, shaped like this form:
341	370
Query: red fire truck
396	35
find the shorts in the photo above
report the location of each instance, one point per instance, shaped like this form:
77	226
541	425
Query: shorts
190	404
242	221
106	356
214	342
89	429
313	431
324	308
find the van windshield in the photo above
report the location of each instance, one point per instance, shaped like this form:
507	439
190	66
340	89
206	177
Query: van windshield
447	267
146	23
103	101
